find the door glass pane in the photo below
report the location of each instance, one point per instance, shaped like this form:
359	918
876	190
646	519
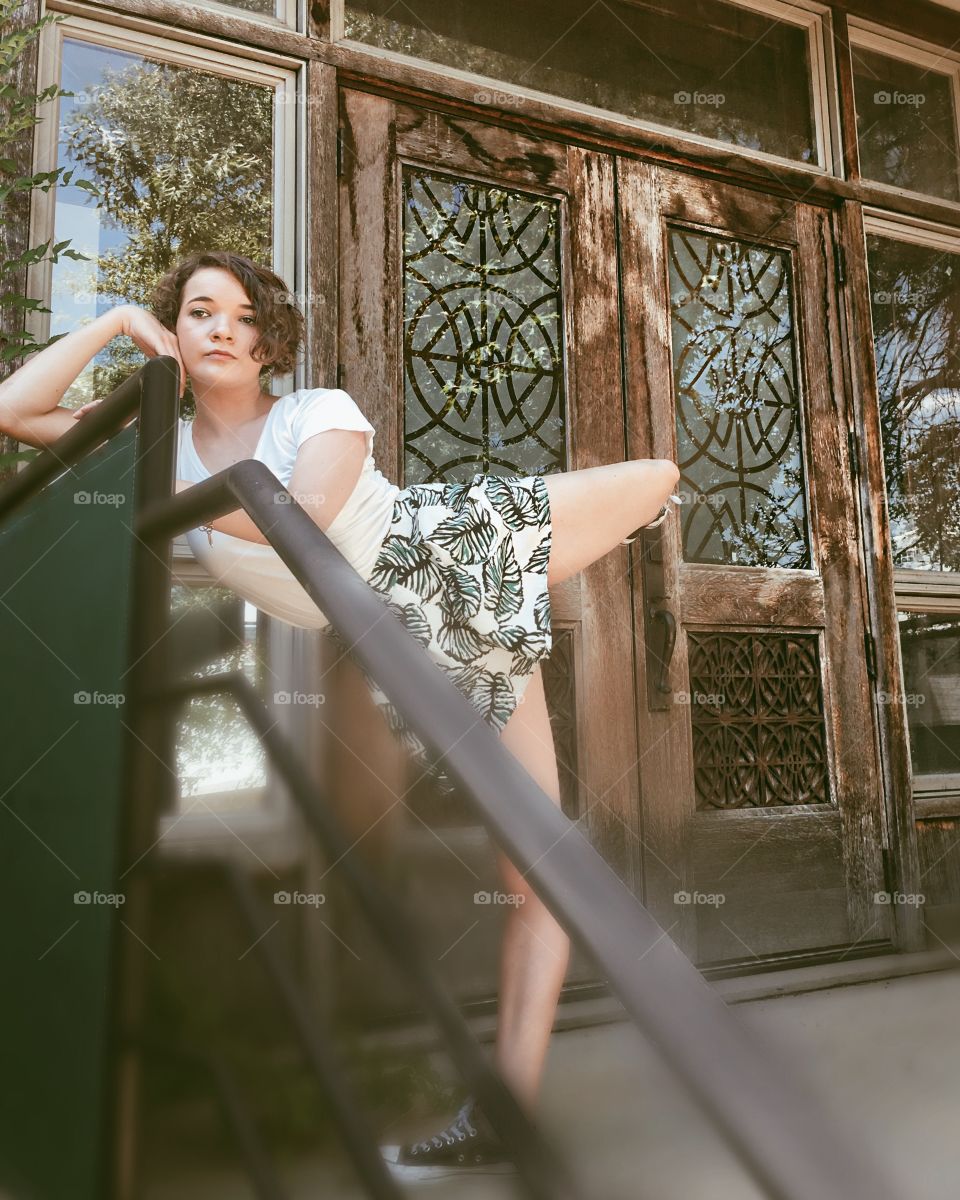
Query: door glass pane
906	126
720	71
737	404
915	295
221	765
483	347
930	646
183	161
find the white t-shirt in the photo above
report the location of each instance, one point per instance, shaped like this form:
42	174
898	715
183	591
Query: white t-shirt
253	569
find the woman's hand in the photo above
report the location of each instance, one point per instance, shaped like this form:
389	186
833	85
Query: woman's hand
150	336
85	408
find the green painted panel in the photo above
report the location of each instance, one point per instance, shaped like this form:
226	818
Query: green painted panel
65	585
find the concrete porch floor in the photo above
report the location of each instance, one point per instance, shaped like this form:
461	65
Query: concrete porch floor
884	1056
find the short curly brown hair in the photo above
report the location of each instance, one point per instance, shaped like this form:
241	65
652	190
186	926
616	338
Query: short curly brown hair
279	319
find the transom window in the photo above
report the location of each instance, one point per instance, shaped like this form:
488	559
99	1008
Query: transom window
907	103
750	74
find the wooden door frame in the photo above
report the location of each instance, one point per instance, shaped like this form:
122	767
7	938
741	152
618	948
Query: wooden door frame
668	823
379	136
859	385
859	368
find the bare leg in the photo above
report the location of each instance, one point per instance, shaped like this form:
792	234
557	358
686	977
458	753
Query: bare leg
535	948
593	510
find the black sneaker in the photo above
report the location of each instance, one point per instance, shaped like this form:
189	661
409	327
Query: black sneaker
468	1143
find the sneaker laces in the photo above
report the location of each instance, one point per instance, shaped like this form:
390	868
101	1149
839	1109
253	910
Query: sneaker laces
459	1129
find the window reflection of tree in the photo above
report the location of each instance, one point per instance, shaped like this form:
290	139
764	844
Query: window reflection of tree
739	443
183	161
930	646
906	129
216	751
916	321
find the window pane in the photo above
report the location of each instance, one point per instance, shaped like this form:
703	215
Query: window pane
220	762
723	72
915	293
930	646
483	356
905	124
737	404
183	161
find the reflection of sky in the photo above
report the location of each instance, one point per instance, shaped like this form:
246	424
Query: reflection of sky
73	286
233	757
73	292
940	406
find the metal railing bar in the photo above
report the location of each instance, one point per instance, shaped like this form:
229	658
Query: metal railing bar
535	1158
236	1112
233	1106
92	430
746	1087
773	1123
359	1139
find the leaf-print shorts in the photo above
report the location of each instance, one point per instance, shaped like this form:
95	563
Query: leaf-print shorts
464	567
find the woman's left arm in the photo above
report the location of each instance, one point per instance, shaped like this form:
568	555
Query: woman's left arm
325	472
237	524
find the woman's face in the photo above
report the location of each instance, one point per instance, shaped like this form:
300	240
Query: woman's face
216	329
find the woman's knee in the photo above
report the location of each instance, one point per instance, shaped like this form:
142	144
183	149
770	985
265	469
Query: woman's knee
665	468
593	510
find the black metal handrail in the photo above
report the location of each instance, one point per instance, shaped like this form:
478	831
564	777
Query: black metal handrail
389	920
750	1091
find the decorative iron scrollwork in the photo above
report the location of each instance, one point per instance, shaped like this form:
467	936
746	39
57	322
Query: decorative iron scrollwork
482	345
738	412
756	704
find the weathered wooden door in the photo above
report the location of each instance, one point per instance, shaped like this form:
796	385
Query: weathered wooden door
761	799
479	329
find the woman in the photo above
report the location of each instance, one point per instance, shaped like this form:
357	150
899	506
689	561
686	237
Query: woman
465	565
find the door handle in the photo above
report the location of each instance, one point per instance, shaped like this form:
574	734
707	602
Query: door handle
659	646
657	612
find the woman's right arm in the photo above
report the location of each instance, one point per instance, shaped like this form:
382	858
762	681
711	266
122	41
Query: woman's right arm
30	409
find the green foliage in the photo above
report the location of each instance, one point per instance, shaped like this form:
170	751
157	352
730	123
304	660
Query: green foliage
182	163
18	114
179	157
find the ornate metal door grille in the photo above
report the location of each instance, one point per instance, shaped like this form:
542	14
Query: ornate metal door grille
483	346
757	710
737	405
